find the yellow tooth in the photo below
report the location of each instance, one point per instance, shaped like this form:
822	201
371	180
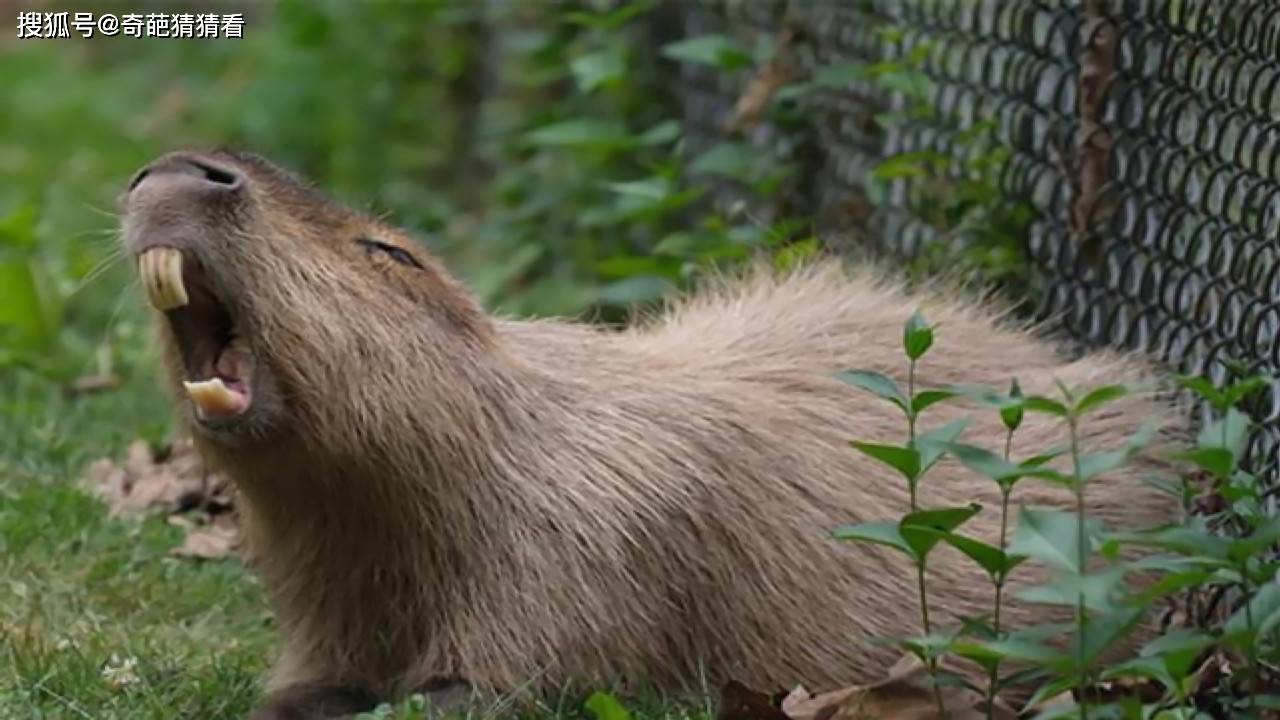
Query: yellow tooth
161	272
177	289
213	398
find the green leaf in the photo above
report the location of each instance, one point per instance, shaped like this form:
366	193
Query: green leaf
1228	432
1016	648
715	50
1049	690
23	310
926	398
1051	536
898	167
840	75
1264	603
877	384
1173	582
990	558
1044	406
606	707
1217	461
653	188
1098	397
1204	388
880	533
927	647
18	229
933	444
593	70
1094	464
1192	538
924	529
1069	587
1145	668
903	459
917	337
984	462
1104	630
1177	649
580	133
1262	537
624	266
633	290
1243	388
609	19
732	160
661	134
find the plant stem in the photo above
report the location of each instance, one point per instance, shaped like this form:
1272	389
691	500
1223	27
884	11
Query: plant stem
1005	491
911	396
911	435
920	584
1247	588
924	603
1082	559
932	661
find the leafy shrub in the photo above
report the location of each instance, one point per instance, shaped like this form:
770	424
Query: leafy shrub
1084	555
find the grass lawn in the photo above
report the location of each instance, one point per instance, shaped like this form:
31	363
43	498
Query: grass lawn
97	620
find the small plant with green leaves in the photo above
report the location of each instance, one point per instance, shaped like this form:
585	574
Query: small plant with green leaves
1088	571
1070	544
920	530
1198	555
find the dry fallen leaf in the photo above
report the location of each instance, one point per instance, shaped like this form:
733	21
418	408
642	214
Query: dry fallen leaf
172	480
906	693
800	705
208	543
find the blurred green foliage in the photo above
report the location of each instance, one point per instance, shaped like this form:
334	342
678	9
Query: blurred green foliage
536	146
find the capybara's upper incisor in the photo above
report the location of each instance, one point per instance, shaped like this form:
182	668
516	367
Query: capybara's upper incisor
430	492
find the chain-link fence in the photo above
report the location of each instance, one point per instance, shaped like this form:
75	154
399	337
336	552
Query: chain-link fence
1144	136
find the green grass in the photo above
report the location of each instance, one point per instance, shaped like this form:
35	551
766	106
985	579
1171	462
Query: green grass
81	592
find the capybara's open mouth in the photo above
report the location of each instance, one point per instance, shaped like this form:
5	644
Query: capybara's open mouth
215	352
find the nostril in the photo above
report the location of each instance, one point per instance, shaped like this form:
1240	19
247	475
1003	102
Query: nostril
171	169
137	179
217	175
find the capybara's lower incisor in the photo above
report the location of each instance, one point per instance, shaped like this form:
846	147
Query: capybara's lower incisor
431	493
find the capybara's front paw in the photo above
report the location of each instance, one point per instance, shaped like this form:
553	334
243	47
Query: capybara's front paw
314	702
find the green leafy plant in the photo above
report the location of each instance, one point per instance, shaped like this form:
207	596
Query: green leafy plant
1088	571
918	532
976	228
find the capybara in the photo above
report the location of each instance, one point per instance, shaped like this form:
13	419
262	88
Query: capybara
434	495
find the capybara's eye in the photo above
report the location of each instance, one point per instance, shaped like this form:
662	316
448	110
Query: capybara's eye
400	255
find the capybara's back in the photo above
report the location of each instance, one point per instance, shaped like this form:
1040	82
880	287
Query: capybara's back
430	493
702	459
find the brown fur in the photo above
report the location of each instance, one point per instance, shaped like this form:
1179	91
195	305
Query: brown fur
441	493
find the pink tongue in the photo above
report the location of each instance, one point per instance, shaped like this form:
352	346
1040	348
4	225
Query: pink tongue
233	363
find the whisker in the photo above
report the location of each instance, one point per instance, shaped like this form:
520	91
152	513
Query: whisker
98	270
105	213
109	328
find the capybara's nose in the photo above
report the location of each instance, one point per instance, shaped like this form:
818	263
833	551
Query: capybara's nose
186	174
